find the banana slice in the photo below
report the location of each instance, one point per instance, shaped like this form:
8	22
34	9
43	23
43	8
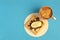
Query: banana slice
36	24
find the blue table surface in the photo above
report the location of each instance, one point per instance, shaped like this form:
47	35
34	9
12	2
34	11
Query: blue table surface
14	12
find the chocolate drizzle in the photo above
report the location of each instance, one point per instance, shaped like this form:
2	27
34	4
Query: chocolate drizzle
36	19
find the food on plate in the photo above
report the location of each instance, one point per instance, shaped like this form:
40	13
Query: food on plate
34	24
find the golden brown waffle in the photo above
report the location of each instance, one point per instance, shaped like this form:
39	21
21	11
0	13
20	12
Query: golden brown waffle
28	24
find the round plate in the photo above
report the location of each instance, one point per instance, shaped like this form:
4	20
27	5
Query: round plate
42	31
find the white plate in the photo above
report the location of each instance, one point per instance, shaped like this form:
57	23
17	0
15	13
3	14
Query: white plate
42	31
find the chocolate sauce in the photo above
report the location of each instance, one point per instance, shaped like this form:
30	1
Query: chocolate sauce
36	19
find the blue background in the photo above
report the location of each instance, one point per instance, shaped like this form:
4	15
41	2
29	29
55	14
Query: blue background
14	12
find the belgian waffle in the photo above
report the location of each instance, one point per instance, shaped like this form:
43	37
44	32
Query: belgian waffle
34	18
